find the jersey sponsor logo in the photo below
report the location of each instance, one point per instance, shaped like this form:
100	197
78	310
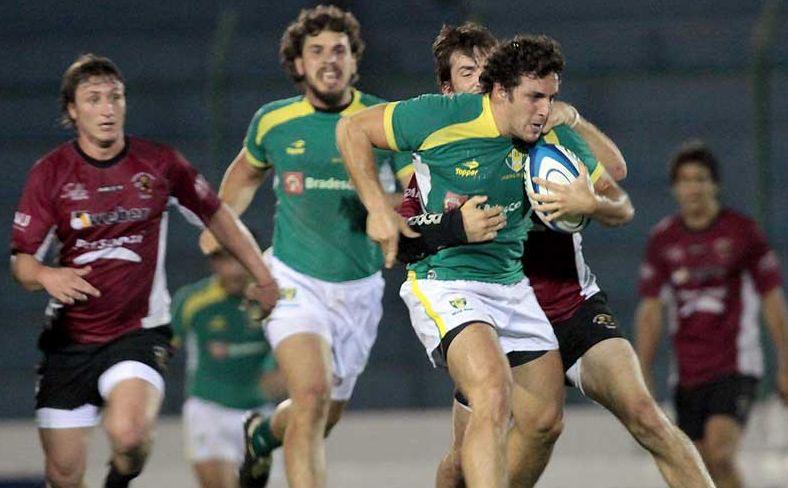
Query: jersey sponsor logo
105	243
119	253
109	188
296	148
21	219
217	323
411	192
605	320
515	160
143	182
328	184
468	169
74	191
82	219
706	300
510	207
453	200
674	253
293	182
426	219
201	187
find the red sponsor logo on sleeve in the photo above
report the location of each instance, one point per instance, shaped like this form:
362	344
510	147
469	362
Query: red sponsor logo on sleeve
453	200
21	219
293	182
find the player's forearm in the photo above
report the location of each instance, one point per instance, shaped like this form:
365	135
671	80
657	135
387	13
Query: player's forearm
356	149
605	150
240	183
26	270
613	210
233	235
775	314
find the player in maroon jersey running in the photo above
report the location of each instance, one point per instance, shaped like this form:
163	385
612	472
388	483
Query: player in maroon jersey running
597	359
714	268
104	196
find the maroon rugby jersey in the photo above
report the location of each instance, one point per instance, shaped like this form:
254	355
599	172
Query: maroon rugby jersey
552	261
711	280
111	216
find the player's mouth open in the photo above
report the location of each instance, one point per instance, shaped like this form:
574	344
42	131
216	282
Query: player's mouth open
330	76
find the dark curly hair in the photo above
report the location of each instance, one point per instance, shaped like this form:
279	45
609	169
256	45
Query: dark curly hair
84	67
694	151
312	22
465	39
524	55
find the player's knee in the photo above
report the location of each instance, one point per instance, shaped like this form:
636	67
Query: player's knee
312	401
492	399
129	436
546	426
64	474
718	456
647	421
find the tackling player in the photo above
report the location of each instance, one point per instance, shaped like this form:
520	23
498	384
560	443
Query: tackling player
714	269
105	196
326	321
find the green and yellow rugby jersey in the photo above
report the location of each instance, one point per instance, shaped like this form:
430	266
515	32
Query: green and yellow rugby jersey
320	223
461	153
226	350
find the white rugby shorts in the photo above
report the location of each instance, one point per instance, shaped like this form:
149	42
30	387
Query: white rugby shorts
438	306
346	314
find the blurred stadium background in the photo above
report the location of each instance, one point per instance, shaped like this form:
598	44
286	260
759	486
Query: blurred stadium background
650	74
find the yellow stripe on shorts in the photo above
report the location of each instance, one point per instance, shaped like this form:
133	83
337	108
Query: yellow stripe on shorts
426	303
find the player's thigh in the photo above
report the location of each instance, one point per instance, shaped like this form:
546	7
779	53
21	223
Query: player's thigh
538	390
65	450
216	473
721	437
610	375
477	363
305	361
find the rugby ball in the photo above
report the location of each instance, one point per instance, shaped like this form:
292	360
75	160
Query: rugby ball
556	164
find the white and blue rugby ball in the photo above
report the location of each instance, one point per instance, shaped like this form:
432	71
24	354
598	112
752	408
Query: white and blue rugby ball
555	163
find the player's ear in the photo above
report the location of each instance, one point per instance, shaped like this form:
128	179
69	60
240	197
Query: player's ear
72	111
446	88
298	63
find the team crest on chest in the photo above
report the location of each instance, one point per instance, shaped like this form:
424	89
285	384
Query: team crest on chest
143	182
515	160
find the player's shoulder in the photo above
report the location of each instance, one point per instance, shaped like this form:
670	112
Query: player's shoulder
279	105
369	100
666	226
279	112
54	159
147	147
736	218
191	289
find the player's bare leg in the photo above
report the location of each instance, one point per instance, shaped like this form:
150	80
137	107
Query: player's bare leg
721	438
129	419
305	360
611	375
65	451
537	407
281	415
480	369
450	468
216	473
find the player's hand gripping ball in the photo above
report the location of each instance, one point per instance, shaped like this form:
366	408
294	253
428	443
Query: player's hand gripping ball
556	164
